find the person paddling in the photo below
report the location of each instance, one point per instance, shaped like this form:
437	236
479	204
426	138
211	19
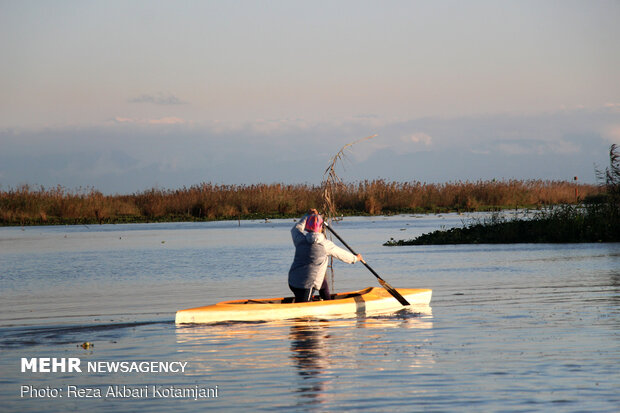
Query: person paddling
312	252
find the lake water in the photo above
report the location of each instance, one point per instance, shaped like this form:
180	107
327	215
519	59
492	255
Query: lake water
512	327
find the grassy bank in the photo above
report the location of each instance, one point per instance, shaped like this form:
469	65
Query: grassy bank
26	205
597	219
562	224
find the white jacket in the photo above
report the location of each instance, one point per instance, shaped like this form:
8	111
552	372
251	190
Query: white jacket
312	252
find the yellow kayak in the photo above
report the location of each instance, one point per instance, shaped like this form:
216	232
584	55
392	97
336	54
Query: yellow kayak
371	300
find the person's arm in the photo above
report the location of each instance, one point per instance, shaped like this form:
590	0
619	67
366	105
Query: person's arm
297	232
340	253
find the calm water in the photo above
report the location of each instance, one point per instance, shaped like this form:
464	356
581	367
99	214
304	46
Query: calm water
512	327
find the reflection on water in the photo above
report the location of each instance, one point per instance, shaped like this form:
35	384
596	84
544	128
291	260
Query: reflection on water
309	352
318	355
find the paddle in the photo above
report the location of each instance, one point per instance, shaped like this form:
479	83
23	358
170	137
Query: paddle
383	283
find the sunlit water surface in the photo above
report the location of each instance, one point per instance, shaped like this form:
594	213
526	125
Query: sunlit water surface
512	327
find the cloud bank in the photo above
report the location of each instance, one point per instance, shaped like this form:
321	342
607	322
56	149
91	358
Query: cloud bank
129	155
158	99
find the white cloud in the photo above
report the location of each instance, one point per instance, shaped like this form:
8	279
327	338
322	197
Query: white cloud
170	120
512	148
167	120
563	147
538	147
120	119
276	126
158	99
420	137
612	133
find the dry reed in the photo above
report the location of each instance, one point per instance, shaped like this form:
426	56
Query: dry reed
332	182
25	205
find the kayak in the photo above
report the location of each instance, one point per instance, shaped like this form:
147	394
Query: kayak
371	300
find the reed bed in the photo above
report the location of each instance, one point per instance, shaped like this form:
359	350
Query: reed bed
375	197
26	205
596	219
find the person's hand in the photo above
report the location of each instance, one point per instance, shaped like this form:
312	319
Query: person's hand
359	257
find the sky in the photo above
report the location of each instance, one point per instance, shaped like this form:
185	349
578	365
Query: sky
124	96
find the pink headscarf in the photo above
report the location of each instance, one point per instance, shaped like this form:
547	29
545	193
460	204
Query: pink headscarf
314	223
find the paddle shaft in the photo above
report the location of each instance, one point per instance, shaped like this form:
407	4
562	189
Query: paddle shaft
383	283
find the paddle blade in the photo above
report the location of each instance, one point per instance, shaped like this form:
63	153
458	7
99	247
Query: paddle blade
393	291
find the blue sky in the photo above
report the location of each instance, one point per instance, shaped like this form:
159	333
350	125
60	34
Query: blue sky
125	96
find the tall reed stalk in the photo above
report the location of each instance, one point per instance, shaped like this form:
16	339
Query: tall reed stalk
329	188
332	182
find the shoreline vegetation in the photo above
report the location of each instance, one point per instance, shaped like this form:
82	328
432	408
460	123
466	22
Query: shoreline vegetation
596	219
591	222
26	205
